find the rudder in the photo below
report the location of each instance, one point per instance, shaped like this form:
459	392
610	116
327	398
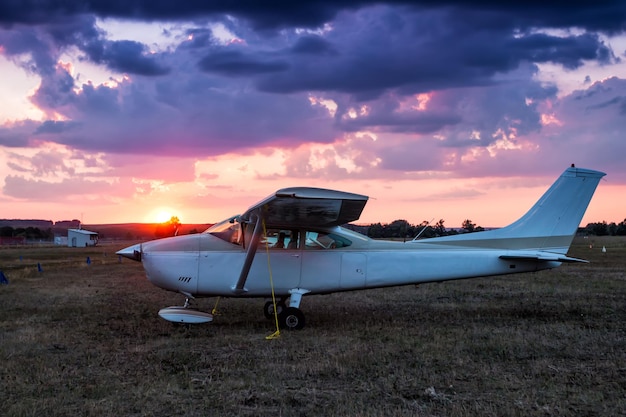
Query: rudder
549	225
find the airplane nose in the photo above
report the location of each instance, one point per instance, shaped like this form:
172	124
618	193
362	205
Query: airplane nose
132	252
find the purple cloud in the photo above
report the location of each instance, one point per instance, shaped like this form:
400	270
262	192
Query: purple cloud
237	64
203	96
42	190
607	15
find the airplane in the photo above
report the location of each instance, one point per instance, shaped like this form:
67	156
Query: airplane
292	244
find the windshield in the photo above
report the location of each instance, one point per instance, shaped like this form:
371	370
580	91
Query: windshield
228	230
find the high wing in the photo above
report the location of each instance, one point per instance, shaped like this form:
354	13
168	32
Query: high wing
305	206
298	207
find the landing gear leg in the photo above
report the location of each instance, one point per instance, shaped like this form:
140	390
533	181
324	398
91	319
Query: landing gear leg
292	318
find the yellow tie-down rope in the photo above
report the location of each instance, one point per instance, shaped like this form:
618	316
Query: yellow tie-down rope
214	311
276	334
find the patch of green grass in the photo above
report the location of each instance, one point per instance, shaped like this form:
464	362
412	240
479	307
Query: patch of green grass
80	339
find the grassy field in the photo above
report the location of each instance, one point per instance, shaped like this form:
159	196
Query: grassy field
85	339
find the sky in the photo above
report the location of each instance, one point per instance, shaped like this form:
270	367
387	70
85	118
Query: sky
135	110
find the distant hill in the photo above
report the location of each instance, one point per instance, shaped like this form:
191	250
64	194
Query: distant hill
24	223
138	231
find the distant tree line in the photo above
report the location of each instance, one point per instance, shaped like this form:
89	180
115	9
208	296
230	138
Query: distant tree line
399	229
31	233
606	229
402	229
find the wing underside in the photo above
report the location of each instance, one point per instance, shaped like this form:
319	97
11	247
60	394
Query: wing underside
305	207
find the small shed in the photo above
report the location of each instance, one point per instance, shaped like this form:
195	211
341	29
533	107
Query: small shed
78	238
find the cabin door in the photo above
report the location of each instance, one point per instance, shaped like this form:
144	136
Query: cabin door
282	264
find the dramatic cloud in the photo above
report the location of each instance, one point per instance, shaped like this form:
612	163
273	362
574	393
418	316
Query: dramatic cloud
318	90
607	15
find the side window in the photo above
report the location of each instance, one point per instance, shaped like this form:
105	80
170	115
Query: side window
323	240
281	239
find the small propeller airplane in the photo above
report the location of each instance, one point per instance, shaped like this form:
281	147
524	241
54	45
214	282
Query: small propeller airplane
292	244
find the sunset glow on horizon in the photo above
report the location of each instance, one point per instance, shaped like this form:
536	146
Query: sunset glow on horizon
125	117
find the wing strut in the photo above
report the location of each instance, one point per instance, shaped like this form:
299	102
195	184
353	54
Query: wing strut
245	269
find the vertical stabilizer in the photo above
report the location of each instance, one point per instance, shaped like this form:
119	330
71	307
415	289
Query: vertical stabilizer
549	225
560	210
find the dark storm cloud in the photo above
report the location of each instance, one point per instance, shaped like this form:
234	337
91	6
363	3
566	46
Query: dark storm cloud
237	64
125	57
262	14
55	126
419	52
569	52
415	47
31	48
606	16
39	47
315	45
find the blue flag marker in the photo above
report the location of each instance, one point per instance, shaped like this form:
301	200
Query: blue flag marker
3	279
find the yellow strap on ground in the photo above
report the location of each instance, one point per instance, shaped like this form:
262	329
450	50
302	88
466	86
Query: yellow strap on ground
276	334
214	311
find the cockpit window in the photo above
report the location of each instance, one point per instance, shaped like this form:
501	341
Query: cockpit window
228	230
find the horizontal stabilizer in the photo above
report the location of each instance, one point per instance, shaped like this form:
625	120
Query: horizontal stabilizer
543	257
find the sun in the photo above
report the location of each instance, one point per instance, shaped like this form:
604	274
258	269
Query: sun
163	216
159	215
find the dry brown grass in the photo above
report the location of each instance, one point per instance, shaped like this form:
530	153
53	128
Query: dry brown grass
82	339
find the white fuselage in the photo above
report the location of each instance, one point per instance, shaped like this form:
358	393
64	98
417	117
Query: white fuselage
206	266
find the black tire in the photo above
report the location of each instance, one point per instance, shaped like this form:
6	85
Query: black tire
291	318
268	309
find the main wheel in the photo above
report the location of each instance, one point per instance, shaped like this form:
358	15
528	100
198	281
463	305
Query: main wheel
291	318
268	309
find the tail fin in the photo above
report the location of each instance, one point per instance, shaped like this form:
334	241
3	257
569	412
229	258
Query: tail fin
550	225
